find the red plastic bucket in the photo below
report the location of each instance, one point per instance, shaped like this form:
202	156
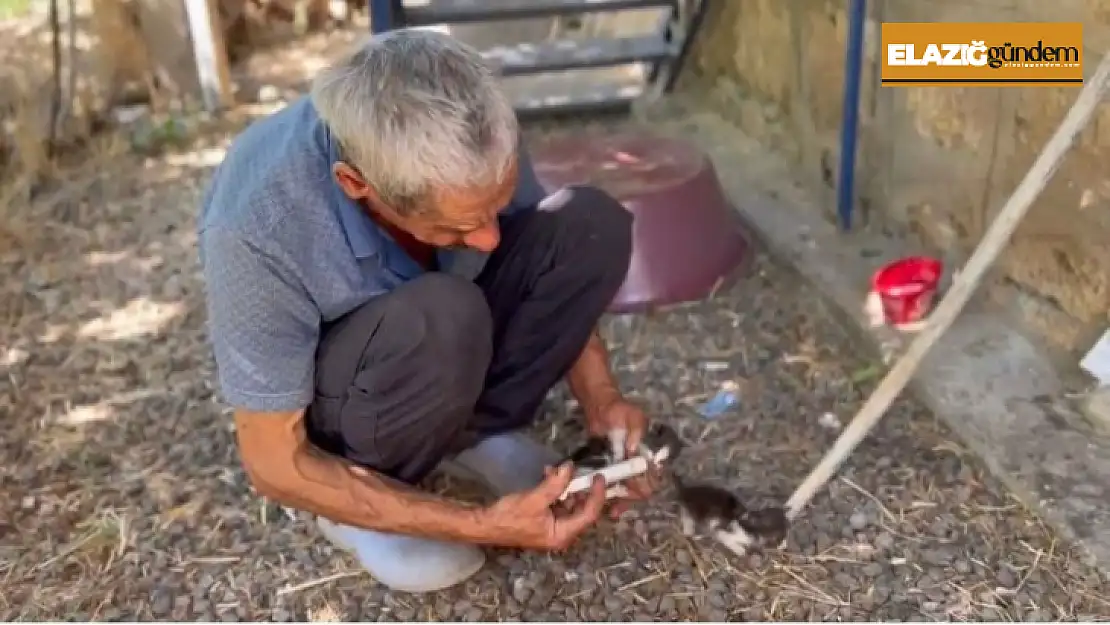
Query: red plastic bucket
907	288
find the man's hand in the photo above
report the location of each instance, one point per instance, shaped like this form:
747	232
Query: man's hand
621	415
529	520
609	414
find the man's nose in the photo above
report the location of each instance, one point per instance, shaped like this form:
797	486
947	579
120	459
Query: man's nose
484	239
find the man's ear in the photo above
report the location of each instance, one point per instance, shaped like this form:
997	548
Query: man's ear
352	182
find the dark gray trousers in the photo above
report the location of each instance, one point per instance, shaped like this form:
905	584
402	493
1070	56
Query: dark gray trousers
440	362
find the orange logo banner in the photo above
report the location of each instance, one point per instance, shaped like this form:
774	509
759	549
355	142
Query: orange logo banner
992	54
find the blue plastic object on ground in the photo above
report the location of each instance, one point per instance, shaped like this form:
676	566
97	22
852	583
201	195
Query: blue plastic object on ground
726	399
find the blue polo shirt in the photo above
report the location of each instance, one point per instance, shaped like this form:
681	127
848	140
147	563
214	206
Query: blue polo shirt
283	249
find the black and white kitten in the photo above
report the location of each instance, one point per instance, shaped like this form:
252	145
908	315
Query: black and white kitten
710	510
594	454
660	444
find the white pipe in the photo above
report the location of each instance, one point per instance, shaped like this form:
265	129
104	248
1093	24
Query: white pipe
618	472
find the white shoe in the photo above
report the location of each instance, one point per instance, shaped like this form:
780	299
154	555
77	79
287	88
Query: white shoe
406	563
506	463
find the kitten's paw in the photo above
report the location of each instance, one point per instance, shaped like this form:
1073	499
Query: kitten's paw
735	540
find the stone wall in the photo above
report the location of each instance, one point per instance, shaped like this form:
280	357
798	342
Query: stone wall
938	161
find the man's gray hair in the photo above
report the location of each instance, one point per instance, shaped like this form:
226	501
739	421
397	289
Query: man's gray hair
415	111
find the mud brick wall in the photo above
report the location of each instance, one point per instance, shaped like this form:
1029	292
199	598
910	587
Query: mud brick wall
938	161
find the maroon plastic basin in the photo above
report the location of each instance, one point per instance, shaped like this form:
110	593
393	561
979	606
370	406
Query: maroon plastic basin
685	235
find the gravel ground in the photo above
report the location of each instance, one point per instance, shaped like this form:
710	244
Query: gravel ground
124	498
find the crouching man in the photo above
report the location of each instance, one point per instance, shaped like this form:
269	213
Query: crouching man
389	292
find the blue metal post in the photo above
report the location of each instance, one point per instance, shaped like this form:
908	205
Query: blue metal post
383	15
849	125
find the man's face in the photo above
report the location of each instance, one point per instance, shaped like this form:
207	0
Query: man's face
458	219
